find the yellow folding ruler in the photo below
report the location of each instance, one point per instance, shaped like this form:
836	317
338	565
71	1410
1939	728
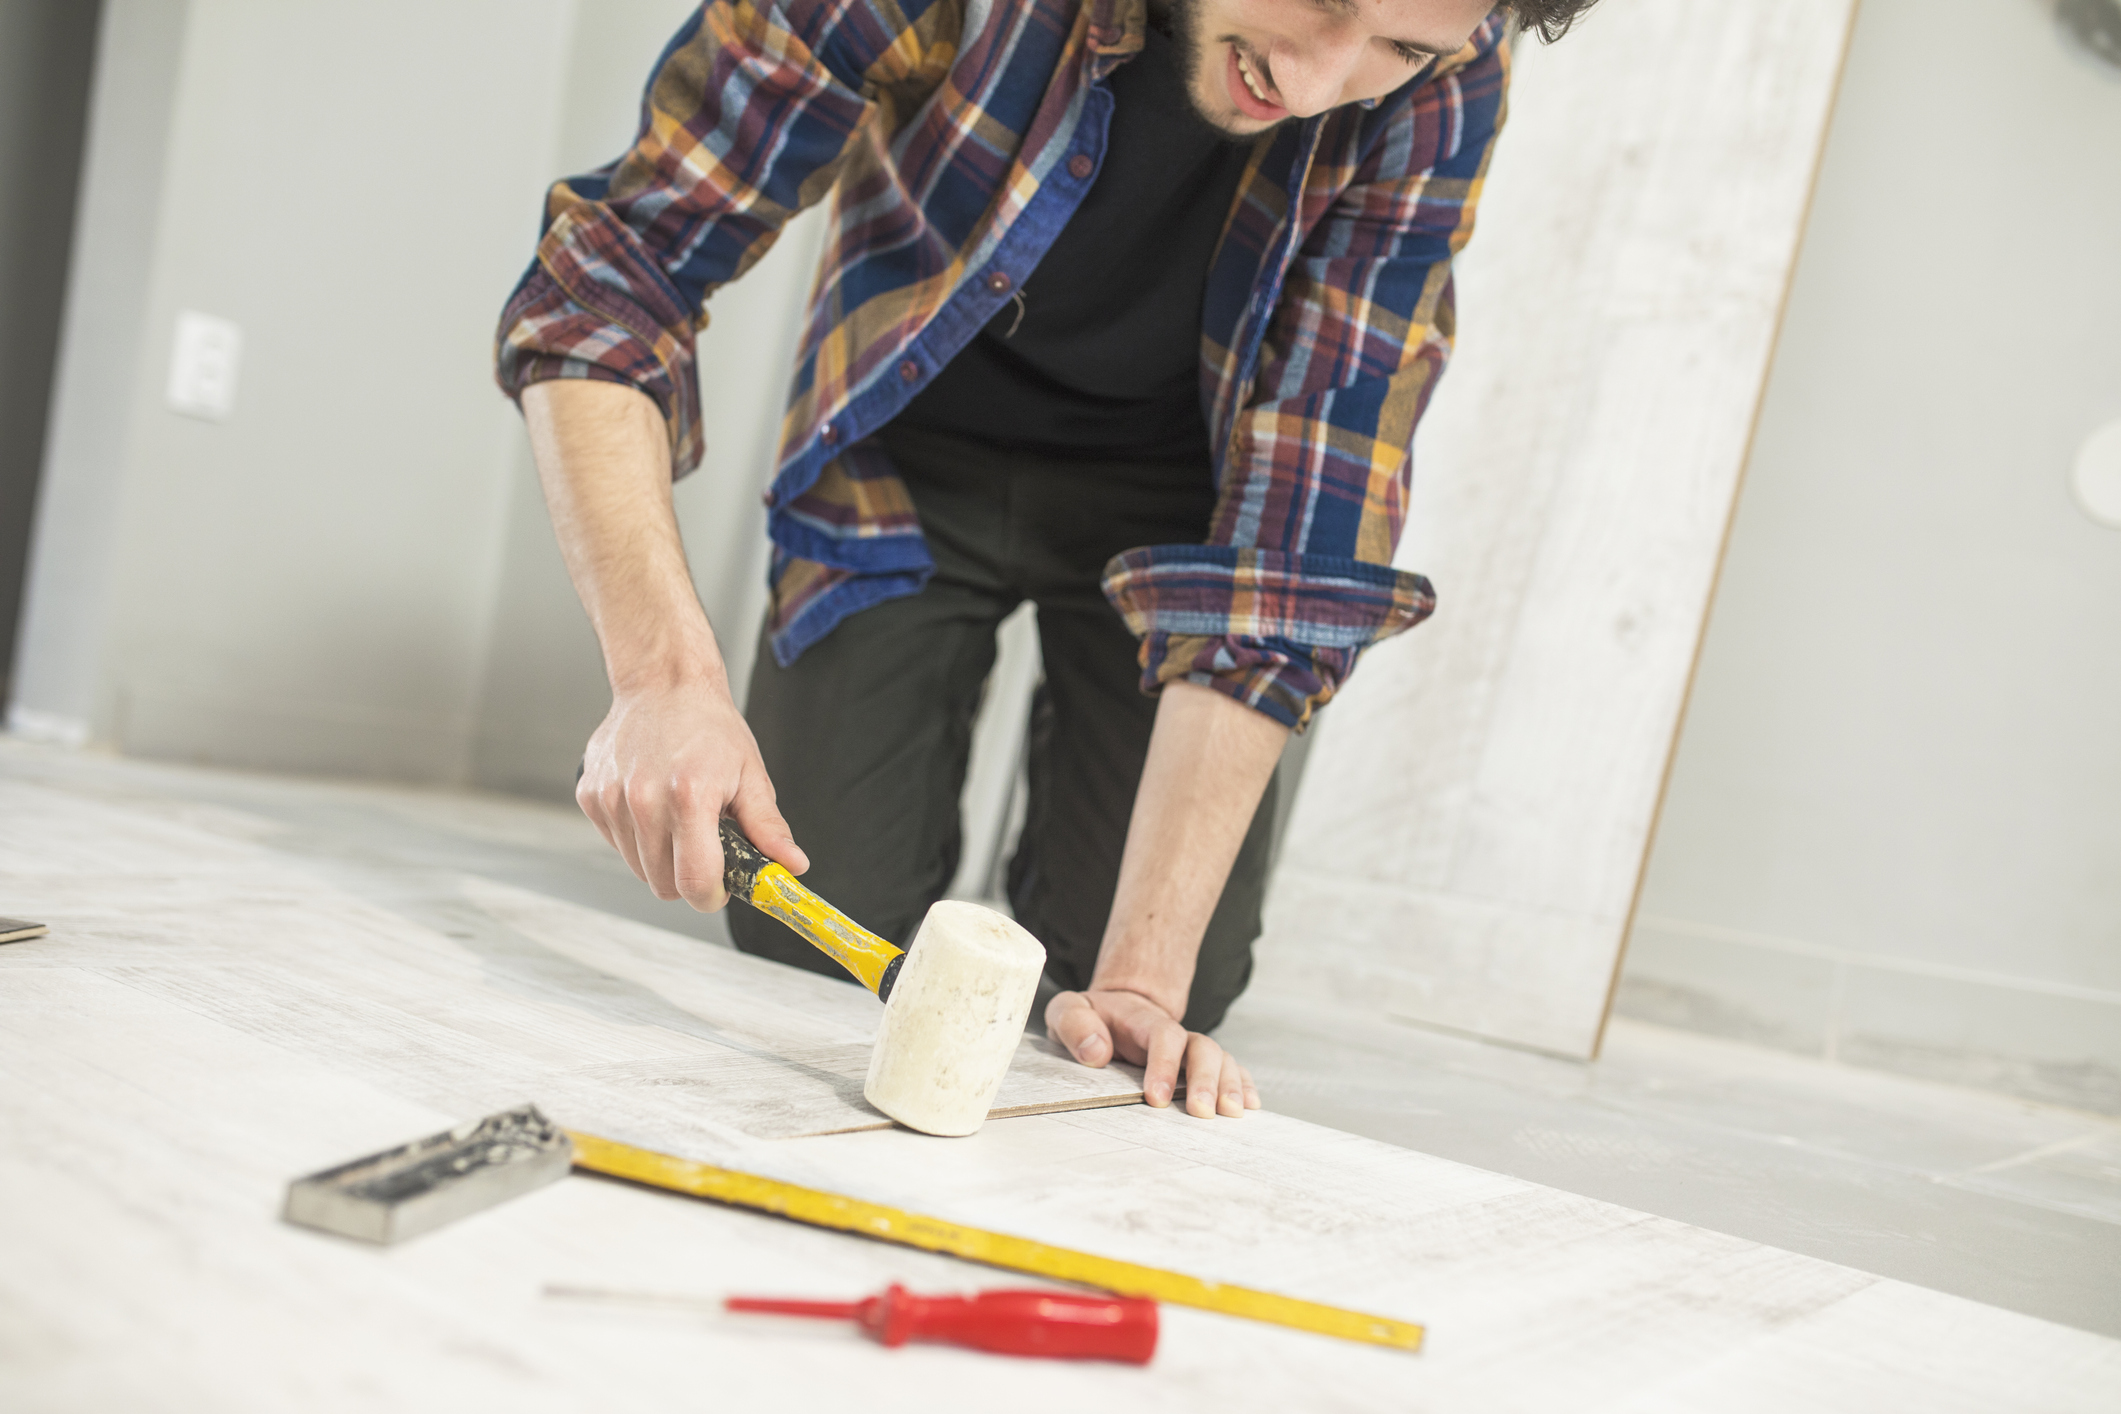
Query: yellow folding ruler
809	1205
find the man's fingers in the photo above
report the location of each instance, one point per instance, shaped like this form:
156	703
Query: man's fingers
1251	1090
658	864
696	847
760	820
650	807
1167	1048
591	801
1204	1062
657	776
618	813
1072	1021
1230	1094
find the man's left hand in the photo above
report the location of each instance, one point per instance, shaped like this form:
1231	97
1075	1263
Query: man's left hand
1096	1024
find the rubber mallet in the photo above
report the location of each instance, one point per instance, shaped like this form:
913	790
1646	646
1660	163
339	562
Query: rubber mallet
955	1002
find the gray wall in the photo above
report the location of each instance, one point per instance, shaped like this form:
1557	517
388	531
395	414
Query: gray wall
307	583
352	573
47	56
1893	831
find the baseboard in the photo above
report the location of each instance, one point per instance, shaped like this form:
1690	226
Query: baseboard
2055	1042
46	728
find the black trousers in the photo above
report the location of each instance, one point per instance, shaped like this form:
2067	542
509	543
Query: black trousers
867	736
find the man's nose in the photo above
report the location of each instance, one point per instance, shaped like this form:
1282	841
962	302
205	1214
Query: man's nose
1311	71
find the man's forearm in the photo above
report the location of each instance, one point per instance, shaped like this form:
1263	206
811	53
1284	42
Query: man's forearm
604	460
673	755
1210	758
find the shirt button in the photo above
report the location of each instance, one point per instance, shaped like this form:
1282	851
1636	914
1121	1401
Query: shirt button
828	434
1081	166
997	282
909	370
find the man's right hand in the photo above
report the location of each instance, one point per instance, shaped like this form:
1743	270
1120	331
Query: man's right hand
665	766
673	755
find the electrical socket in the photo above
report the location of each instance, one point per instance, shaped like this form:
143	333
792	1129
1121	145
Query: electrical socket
203	366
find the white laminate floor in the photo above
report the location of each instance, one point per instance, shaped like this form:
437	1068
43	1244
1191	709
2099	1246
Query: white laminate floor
2007	1203
1985	1196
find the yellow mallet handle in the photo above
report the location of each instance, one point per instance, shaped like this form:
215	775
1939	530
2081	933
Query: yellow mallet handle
772	890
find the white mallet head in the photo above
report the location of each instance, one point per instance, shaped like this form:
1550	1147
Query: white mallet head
956	1012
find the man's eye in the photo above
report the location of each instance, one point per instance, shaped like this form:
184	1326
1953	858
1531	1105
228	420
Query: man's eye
1409	53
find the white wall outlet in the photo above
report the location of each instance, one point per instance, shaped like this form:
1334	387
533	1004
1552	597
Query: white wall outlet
203	365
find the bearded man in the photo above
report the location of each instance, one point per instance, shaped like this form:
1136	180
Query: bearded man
1129	308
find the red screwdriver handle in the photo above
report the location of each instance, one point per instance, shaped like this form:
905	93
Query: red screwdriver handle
1054	1324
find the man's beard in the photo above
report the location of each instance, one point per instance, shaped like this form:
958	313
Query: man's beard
1192	50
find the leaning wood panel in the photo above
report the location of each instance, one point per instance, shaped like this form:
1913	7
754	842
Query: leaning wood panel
1475	816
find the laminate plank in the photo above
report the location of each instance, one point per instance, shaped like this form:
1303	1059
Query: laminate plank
1474	817
705	1038
153	1144
160	1084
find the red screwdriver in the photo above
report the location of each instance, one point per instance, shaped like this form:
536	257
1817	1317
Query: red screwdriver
1051	1323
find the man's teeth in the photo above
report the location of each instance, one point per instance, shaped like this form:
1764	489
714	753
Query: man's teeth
1245	70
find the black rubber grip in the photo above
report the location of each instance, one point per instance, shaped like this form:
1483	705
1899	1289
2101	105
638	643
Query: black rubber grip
741	862
884	984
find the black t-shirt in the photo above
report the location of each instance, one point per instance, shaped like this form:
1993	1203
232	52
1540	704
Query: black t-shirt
1101	356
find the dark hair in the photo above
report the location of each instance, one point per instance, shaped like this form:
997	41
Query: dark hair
1549	18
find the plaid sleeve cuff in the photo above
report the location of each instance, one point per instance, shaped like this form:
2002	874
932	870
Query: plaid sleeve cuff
596	305
1277	632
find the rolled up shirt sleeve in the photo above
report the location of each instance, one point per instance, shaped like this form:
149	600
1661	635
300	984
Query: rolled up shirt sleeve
1278	632
1296	578
744	122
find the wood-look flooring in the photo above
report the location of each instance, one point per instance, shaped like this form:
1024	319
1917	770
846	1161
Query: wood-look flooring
215	1012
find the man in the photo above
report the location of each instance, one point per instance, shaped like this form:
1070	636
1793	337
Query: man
1128	310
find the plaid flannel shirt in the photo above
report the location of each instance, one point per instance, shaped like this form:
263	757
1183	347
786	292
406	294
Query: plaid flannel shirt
956	138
